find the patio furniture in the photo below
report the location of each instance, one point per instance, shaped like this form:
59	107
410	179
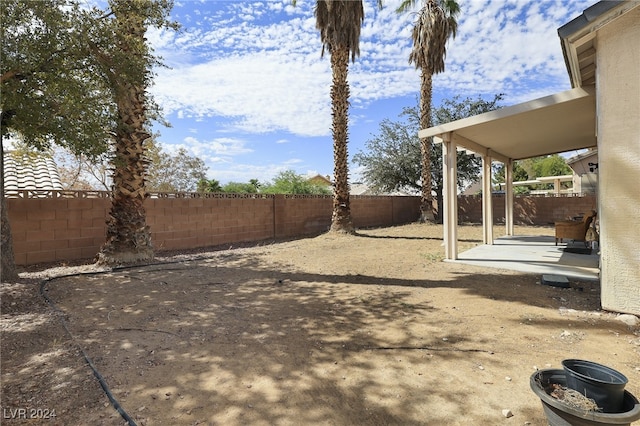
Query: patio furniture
574	230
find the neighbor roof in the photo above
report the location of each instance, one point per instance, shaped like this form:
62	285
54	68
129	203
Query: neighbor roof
30	171
582	156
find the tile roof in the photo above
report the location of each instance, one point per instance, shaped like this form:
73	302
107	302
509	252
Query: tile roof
30	171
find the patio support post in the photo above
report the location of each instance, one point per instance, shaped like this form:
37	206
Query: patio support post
450	196
508	193
487	204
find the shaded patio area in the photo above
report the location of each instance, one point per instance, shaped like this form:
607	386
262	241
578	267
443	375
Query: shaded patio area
534	254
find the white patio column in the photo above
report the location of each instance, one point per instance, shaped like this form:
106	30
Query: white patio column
508	201
487	203
450	196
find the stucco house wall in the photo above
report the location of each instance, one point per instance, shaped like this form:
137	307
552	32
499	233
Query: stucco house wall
618	124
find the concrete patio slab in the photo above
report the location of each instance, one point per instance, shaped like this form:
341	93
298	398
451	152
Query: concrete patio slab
535	255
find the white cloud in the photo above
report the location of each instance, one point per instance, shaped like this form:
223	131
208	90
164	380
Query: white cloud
218	150
261	92
267	75
509	47
254	67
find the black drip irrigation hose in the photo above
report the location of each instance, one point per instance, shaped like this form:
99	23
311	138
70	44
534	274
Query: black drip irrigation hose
96	373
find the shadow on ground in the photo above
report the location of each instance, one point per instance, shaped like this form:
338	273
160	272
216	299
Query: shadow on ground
284	334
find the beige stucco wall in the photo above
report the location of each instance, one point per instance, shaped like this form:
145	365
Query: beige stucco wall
618	91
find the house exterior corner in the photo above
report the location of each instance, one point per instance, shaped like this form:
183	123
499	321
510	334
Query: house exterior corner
618	129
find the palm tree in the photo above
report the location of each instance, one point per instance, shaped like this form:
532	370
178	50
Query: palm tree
339	22
127	68
435	24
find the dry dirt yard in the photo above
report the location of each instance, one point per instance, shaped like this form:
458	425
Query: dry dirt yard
371	329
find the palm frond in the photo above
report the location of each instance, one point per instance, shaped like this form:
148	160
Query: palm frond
339	22
406	5
435	24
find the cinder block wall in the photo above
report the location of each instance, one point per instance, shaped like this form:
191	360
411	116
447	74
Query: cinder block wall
181	223
301	215
59	229
527	210
368	211
51	229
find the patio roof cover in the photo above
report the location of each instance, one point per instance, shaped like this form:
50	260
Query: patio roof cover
561	122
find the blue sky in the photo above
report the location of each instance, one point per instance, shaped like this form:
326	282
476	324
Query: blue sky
247	91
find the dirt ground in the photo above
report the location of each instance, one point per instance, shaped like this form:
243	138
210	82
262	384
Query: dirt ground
371	329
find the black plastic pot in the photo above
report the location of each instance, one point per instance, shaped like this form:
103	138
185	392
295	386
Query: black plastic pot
596	381
560	414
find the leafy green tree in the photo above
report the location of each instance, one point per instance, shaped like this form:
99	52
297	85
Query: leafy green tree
71	178
166	172
519	174
79	172
242	188
289	182
77	77
551	165
209	185
435	24
456	108
392	159
532	168
51	92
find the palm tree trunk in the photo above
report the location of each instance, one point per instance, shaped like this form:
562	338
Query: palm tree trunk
341	218
128	236
439	201
426	200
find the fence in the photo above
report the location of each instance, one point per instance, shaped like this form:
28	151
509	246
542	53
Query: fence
52	226
69	225
528	210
